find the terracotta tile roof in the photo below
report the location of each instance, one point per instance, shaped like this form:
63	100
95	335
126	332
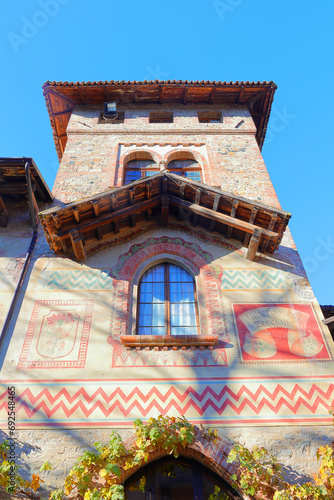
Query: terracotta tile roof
62	97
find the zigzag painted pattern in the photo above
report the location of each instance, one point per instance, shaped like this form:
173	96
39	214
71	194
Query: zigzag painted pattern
80	279
135	402
253	279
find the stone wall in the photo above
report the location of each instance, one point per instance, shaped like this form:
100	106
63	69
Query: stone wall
295	448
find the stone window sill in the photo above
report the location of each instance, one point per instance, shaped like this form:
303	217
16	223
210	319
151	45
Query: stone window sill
166	342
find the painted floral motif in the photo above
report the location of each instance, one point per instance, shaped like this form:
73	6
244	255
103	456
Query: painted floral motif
59	327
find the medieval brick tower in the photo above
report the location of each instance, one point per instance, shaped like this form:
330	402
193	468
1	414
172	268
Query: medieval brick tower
165	280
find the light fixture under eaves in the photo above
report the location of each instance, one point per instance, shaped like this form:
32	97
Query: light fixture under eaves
110	111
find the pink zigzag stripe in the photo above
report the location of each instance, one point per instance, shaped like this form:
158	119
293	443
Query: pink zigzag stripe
173	404
118	393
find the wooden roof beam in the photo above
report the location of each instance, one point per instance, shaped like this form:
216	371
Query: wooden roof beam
67	112
241	94
212	95
222	218
185	95
255	98
112	217
4	216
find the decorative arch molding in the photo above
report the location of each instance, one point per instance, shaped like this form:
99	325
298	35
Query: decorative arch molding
212	454
189	154
134	263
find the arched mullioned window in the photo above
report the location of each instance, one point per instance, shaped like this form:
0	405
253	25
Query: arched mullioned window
171	479
186	168
136	169
167	302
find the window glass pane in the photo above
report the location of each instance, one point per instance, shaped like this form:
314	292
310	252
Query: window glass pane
212	490
173	481
132	175
182	164
194	175
179	301
148	173
183	314
183	330
135	489
133	170
155	274
140	164
178	274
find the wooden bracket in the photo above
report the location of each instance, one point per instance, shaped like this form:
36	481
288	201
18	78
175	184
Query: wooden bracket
149	214
215	207
56	221
132	195
234	209
165	185
95	205
271	228
164	210
99	233
148	190
76	215
254	244
133	218
113	201
77	245
197	202
251	221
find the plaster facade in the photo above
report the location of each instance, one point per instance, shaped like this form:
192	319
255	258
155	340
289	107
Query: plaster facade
268	381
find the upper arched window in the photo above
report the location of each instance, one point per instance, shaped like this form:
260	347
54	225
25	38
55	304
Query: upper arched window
136	169
187	168
167	302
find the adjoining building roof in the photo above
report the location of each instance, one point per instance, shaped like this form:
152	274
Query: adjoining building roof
79	227
14	183
62	97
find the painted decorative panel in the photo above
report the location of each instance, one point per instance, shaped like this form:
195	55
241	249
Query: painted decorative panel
57	335
279	332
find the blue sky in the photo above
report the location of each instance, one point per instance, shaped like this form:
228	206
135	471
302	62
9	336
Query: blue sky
288	42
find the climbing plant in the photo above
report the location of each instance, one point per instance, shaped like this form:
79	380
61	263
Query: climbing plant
11	481
97	475
260	475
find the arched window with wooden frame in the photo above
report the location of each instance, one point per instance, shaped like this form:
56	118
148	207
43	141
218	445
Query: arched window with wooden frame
171	479
188	168
167	302
139	168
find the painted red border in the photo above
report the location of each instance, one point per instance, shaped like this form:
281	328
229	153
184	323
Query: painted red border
31	332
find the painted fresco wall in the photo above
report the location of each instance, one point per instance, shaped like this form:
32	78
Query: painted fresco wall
269	378
273	363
